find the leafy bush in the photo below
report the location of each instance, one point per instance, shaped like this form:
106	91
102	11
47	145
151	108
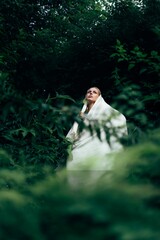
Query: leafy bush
33	130
136	83
122	204
136	78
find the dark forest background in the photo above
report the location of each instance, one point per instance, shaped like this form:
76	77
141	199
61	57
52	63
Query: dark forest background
51	52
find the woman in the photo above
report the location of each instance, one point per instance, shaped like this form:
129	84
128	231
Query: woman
91	151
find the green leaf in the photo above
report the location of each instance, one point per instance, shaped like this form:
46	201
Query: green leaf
131	65
142	70
66	97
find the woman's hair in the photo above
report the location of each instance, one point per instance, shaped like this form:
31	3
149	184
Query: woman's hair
99	91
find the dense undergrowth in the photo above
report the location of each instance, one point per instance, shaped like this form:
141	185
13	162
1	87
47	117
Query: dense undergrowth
122	204
53	48
39	202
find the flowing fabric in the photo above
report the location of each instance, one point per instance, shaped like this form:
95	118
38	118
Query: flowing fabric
93	152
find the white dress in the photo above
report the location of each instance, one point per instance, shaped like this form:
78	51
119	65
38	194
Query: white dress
88	151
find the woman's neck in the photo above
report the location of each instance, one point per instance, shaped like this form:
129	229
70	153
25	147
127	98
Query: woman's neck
89	106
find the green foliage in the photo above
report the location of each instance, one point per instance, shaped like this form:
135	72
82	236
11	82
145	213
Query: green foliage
33	131
50	52
14	221
136	77
121	204
130	102
5	159
140	165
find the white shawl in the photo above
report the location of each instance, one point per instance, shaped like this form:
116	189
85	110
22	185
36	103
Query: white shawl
88	151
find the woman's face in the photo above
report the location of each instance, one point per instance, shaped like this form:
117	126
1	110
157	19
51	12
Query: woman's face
92	95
